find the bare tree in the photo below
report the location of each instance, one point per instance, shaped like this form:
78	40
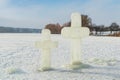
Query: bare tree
54	28
114	27
68	24
86	22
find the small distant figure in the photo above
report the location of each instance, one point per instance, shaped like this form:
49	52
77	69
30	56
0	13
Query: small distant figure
46	44
75	33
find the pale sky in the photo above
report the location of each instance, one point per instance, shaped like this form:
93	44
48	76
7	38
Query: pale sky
38	13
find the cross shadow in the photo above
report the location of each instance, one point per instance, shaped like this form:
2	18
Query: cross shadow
91	71
18	71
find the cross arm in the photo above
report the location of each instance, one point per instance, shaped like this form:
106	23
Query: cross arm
46	44
77	32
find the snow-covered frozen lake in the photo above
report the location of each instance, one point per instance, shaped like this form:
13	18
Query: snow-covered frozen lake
17	52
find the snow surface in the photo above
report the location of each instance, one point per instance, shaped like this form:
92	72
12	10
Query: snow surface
19	59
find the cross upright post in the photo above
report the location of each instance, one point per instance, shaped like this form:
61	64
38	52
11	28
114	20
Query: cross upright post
46	44
75	33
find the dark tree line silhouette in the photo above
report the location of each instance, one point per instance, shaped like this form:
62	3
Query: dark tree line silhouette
56	28
114	28
18	30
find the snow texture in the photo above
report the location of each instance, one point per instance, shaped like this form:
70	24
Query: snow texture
20	60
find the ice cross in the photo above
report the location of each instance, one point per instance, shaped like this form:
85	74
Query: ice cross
46	44
75	33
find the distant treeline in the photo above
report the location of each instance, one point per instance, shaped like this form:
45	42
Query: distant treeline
18	30
86	22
